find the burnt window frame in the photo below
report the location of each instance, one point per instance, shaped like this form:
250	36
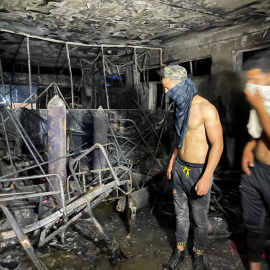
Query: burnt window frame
238	56
192	62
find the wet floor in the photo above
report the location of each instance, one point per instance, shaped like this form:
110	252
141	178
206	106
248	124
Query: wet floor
151	245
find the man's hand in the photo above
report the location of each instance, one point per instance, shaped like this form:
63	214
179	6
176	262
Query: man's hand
202	186
247	161
169	172
255	100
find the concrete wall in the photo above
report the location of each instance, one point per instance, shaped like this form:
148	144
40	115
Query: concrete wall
224	88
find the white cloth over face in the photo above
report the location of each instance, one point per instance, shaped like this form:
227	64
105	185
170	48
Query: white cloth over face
254	126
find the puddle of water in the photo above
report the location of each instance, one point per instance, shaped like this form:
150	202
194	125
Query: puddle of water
150	262
58	259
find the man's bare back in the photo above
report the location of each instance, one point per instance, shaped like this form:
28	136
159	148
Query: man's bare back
196	145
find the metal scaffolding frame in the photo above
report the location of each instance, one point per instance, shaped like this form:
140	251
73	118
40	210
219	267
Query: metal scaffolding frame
104	59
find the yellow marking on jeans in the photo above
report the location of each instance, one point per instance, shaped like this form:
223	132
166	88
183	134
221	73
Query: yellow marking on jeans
198	251
186	171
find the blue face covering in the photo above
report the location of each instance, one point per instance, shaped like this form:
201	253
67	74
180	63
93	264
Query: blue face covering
182	94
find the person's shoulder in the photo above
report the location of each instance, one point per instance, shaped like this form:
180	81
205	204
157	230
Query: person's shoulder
202	102
206	107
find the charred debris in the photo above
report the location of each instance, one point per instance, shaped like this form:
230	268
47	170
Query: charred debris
61	158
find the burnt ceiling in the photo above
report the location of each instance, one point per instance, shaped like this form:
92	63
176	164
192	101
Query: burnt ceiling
146	23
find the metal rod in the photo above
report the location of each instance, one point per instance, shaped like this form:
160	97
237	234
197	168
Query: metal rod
136	136
95	146
105	79
69	208
29	148
128	140
73	219
136	72
137	145
44	163
71	80
68	108
24	102
136	128
76	43
18	107
117	143
117	67
2	78
160	58
149	123
29	69
128	63
9	152
82	77
24	240
161	133
61	191
27	137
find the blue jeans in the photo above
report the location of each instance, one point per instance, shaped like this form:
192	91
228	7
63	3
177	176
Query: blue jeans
185	177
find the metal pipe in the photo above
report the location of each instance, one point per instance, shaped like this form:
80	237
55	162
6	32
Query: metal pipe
105	79
9	153
29	69
77	43
71	80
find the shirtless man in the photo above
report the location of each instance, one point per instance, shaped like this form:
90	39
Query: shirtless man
255	183
197	150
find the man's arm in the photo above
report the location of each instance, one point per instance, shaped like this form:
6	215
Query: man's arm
215	136
172	161
248	156
257	102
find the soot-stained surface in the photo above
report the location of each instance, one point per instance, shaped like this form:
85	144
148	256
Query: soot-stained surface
151	245
125	22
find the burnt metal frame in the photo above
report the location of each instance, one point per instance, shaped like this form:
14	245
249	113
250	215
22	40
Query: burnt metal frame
24	240
99	177
95	146
26	195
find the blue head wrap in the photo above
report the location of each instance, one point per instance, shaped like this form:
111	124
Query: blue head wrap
182	94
